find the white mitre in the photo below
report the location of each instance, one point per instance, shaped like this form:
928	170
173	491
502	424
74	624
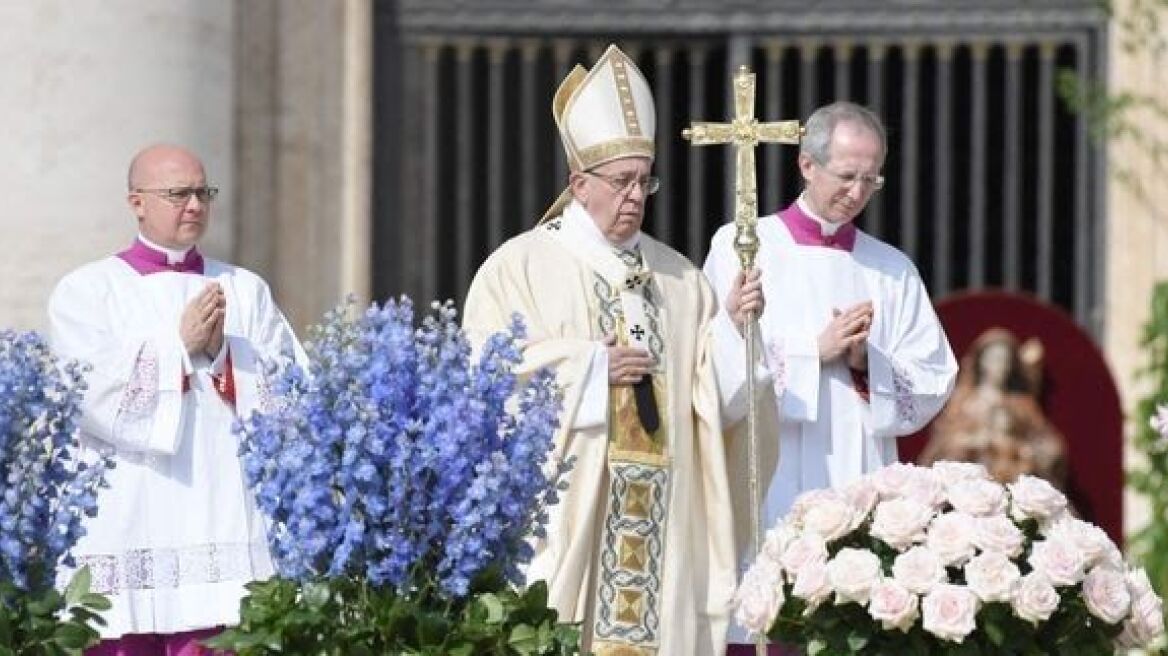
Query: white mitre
603	114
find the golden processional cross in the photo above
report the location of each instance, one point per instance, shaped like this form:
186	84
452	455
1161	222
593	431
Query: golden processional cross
745	133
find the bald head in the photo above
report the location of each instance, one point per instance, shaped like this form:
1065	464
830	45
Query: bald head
162	161
169	195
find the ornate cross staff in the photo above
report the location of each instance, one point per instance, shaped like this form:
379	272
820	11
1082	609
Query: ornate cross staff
745	133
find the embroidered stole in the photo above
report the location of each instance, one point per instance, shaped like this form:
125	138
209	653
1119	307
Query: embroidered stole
629	595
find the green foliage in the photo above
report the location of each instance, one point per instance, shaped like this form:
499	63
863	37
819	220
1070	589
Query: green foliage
48	623
1127	117
1149	478
849	630
343	616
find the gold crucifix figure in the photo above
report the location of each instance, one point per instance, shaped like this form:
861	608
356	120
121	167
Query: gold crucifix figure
745	132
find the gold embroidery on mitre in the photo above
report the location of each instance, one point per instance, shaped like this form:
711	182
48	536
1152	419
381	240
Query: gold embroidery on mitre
560	102
628	107
614	149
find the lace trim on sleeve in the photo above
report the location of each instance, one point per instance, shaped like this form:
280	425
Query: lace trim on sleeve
905	400
152	569
135	417
142	389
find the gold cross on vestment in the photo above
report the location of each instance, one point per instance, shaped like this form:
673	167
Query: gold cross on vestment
745	132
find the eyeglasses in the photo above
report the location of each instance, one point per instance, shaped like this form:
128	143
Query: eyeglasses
649	183
849	180
182	195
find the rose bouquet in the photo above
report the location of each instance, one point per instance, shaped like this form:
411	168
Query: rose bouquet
944	560
402	478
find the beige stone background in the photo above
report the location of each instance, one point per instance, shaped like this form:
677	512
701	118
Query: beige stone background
1137	226
275	94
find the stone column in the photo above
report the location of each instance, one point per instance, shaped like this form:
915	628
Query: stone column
87	84
304	100
1137	234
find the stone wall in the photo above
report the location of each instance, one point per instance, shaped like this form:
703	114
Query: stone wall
274	95
86	84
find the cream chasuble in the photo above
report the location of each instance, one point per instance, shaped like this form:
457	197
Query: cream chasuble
640	548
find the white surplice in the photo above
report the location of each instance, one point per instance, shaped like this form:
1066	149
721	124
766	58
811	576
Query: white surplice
640	548
829	435
177	534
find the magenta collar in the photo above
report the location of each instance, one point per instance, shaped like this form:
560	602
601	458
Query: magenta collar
146	260
806	230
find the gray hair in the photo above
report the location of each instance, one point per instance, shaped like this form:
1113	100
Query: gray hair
816	143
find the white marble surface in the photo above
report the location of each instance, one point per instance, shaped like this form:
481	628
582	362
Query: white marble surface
85	85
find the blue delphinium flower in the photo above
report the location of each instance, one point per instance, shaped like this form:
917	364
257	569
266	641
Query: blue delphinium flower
45	489
397	457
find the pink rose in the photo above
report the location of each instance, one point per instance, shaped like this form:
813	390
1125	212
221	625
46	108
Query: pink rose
862	495
806	501
1146	624
951	472
1035	498
811	585
977	497
832	518
949	612
992	576
998	533
1035	600
926	487
900	522
852	574
892	481
759	596
919	570
950	536
1091	541
807	548
893	605
1138	584
1106	594
777	540
1060	560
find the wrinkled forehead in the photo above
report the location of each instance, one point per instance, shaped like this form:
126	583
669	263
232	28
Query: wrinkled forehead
629	165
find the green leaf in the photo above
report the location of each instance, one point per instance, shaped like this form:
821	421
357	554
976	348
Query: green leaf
94	601
524	639
78	586
75	636
493	606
